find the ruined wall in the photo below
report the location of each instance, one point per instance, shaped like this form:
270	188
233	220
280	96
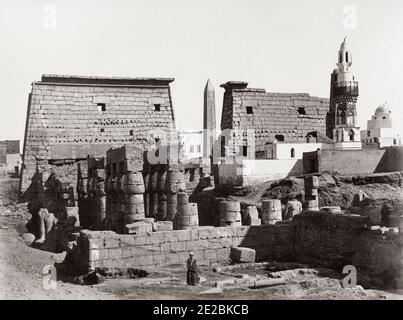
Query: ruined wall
335	241
72	117
315	238
292	115
209	244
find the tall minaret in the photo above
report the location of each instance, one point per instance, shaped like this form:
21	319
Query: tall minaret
341	119
209	124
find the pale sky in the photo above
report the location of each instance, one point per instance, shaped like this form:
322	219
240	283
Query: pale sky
282	46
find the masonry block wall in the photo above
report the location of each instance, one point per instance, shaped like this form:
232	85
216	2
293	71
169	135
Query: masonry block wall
338	240
72	117
209	244
290	116
315	238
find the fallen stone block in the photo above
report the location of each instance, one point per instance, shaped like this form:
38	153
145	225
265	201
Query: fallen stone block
122	272
267	283
88	279
332	210
226	282
146	220
157	281
139	228
28	238
241	254
162	226
255	222
217	290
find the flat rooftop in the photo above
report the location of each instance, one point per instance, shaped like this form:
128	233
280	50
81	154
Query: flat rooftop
99	80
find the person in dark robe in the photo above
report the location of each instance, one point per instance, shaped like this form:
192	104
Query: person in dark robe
192	275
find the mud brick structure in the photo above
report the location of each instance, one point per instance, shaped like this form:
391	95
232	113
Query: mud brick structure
288	117
354	162
70	117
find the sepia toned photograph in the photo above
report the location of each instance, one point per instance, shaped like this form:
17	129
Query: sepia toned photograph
216	151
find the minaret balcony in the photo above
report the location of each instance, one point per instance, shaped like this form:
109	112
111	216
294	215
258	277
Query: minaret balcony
346	88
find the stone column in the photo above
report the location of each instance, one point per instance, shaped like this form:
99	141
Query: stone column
82	192
174	183
187	216
147	197
114	201
271	211
134	197
230	213
162	198
311	186
152	186
100	201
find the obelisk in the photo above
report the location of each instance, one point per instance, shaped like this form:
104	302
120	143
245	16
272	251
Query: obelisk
209	124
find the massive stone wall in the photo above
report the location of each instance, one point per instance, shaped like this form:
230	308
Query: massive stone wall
209	244
316	238
291	115
72	117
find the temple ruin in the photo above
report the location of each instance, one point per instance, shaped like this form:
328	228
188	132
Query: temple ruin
106	179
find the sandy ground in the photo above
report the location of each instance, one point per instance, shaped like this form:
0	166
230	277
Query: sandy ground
21	270
21	278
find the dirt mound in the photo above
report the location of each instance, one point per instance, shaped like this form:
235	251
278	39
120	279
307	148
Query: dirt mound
382	189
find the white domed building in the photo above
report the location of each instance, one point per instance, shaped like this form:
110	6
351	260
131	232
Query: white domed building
379	129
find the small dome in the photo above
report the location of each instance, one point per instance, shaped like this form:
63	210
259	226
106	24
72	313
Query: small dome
382	109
